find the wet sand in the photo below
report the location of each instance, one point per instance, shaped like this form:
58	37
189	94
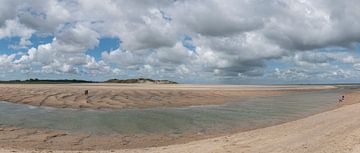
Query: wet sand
43	139
335	131
289	137
117	96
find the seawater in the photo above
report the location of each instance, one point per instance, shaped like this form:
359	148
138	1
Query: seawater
245	114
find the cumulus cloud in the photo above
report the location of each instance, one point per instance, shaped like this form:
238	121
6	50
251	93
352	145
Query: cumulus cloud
13	28
222	39
216	18
78	38
6	63
319	65
44	16
165	61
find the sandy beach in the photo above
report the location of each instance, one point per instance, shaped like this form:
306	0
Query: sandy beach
337	131
117	96
180	76
332	131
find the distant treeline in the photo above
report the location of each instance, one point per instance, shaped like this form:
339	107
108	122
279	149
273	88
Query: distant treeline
39	81
46	81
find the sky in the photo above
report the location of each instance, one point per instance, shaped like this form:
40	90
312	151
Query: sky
189	41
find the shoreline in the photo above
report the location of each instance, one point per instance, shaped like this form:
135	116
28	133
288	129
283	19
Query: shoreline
335	130
276	139
54	135
120	96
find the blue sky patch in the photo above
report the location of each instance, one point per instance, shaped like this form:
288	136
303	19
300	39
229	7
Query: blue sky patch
105	44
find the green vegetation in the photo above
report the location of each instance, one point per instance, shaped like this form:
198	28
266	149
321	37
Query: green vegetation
39	81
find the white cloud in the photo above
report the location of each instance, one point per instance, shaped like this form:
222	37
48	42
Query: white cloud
44	16
6	63
78	38
14	28
216	18
231	39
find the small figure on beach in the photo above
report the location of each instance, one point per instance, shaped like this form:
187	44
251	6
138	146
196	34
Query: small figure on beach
86	92
342	98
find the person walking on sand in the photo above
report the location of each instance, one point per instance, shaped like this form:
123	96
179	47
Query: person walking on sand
342	98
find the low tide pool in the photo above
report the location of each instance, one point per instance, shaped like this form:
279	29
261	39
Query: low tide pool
243	114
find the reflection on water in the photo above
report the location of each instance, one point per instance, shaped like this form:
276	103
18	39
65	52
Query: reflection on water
247	113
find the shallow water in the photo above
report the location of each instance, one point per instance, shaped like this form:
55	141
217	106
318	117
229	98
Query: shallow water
245	114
